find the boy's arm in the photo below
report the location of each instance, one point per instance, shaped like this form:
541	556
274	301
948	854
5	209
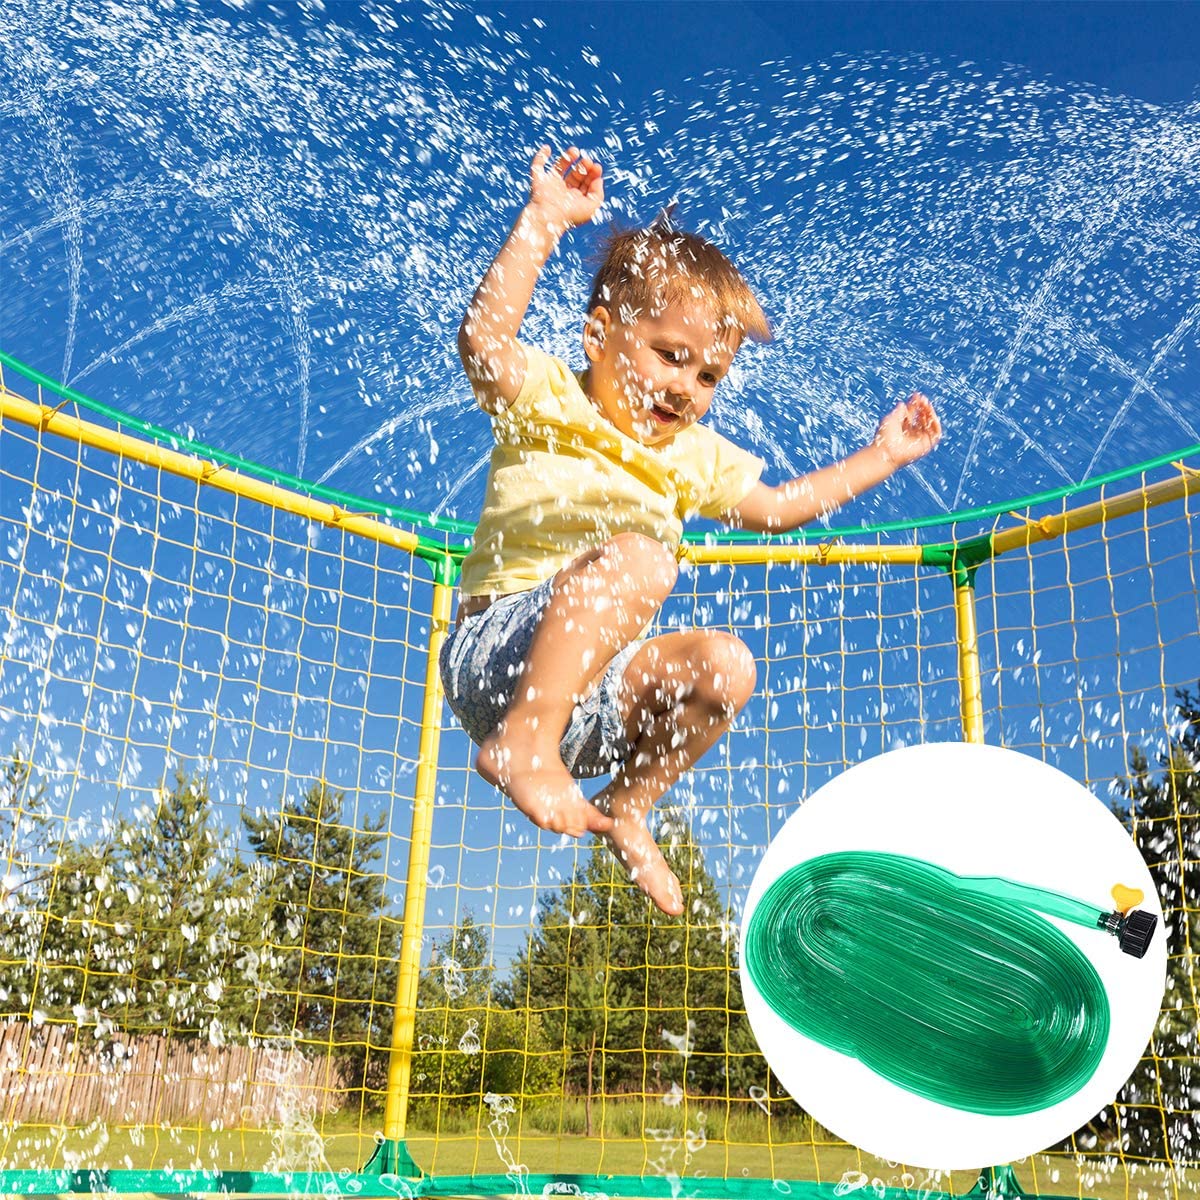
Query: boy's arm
907	433
567	195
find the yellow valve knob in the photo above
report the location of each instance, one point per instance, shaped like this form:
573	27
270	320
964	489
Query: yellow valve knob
1126	898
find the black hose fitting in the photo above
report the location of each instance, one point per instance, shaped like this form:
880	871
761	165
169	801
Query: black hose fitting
1133	930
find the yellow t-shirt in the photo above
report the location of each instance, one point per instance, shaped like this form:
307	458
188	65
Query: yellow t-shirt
564	479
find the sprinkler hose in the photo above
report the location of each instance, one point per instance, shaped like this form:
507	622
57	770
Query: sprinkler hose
954	988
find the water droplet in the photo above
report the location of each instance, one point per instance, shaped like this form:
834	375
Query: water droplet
469	1042
851	1181
452	979
499	1105
681	1042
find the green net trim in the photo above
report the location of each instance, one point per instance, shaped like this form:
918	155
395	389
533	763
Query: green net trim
409	516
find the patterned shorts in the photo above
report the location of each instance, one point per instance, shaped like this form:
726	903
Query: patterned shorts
483	656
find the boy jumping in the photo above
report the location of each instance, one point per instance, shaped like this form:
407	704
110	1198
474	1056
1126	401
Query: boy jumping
590	482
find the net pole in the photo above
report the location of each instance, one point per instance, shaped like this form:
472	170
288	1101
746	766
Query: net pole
404	1020
970	683
1000	1180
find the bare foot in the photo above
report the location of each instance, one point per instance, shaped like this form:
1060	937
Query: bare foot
527	768
639	854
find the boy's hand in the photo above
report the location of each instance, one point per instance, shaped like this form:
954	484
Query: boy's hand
566	194
570	192
909	432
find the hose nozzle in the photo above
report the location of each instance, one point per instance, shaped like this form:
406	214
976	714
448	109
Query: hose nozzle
1134	930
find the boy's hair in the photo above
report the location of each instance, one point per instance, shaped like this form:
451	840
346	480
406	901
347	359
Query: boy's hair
644	270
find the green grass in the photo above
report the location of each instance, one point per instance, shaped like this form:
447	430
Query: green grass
547	1140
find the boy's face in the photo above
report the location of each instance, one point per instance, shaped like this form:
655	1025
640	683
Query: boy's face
655	377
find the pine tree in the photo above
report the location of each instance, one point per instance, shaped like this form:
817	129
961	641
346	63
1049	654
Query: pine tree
146	908
565	975
453	994
126	926
329	944
26	870
655	999
469	1041
24	818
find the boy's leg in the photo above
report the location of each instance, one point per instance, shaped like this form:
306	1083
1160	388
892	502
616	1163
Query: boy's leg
681	693
600	603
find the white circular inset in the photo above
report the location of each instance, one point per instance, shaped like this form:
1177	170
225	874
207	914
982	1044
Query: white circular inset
977	811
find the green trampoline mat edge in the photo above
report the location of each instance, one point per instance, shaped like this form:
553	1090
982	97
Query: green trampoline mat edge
333	1183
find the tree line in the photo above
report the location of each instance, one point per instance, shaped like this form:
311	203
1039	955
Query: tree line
163	921
158	921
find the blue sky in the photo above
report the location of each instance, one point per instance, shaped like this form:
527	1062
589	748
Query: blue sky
1138	48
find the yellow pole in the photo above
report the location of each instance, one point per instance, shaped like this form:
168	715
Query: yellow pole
823	554
395	1115
1185	484
970	683
188	466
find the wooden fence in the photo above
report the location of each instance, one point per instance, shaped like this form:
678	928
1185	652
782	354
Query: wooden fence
61	1075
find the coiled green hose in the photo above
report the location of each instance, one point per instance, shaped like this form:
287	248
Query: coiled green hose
948	986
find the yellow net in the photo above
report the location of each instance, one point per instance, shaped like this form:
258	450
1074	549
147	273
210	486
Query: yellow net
237	824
